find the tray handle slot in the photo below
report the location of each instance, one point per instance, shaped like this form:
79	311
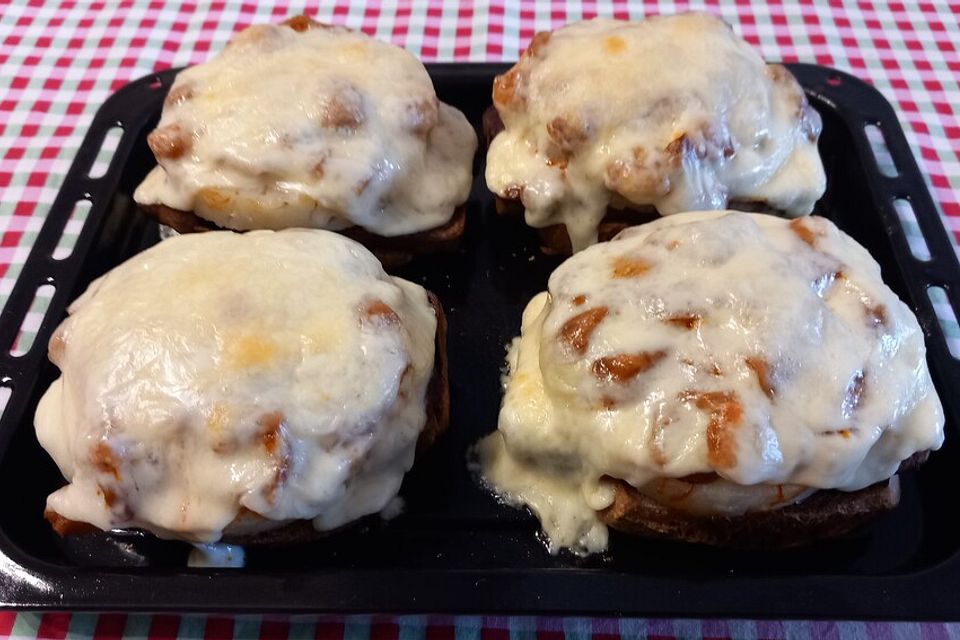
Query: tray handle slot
881	152
108	148
6	390
915	237
32	320
71	230
946	310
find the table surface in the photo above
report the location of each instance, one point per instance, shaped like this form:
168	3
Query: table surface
60	60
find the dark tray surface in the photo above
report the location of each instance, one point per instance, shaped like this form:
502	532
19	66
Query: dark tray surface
455	549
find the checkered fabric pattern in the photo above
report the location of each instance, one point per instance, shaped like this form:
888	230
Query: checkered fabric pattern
167	627
60	60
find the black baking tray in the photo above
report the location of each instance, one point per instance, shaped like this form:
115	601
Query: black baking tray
455	549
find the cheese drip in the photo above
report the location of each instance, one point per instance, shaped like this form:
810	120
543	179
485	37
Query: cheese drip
323	128
763	355
235	382
673	112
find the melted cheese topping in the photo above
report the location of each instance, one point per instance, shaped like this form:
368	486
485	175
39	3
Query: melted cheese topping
675	112
324	128
763	351
223	380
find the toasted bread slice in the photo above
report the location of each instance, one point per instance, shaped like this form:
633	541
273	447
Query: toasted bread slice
825	514
391	251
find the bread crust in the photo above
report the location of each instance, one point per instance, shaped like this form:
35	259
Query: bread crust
391	251
251	528
554	239
825	514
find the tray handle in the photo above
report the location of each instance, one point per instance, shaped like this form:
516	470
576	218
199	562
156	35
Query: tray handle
19	373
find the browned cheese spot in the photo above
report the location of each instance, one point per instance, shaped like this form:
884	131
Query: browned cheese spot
614	45
778	73
301	23
342	110
422	115
178	94
673	245
725	413
317	170
505	87
804	232
876	315
109	495
169	142
57	345
271	437
624	367
575	332
269	424
764	374
557	157
65	526
379	313
513	192
699	144
361	186
629	267
105	460
846	434
580	300
688	321
214	199
567	132
607	403
639	176
404	377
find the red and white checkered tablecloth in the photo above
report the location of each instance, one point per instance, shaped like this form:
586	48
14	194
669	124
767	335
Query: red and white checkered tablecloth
60	60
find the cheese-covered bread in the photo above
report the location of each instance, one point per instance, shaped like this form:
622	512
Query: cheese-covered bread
718	363
674	112
309	125
235	382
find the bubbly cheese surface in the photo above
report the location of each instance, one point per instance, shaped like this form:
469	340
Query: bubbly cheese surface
321	128
674	112
238	381
767	354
